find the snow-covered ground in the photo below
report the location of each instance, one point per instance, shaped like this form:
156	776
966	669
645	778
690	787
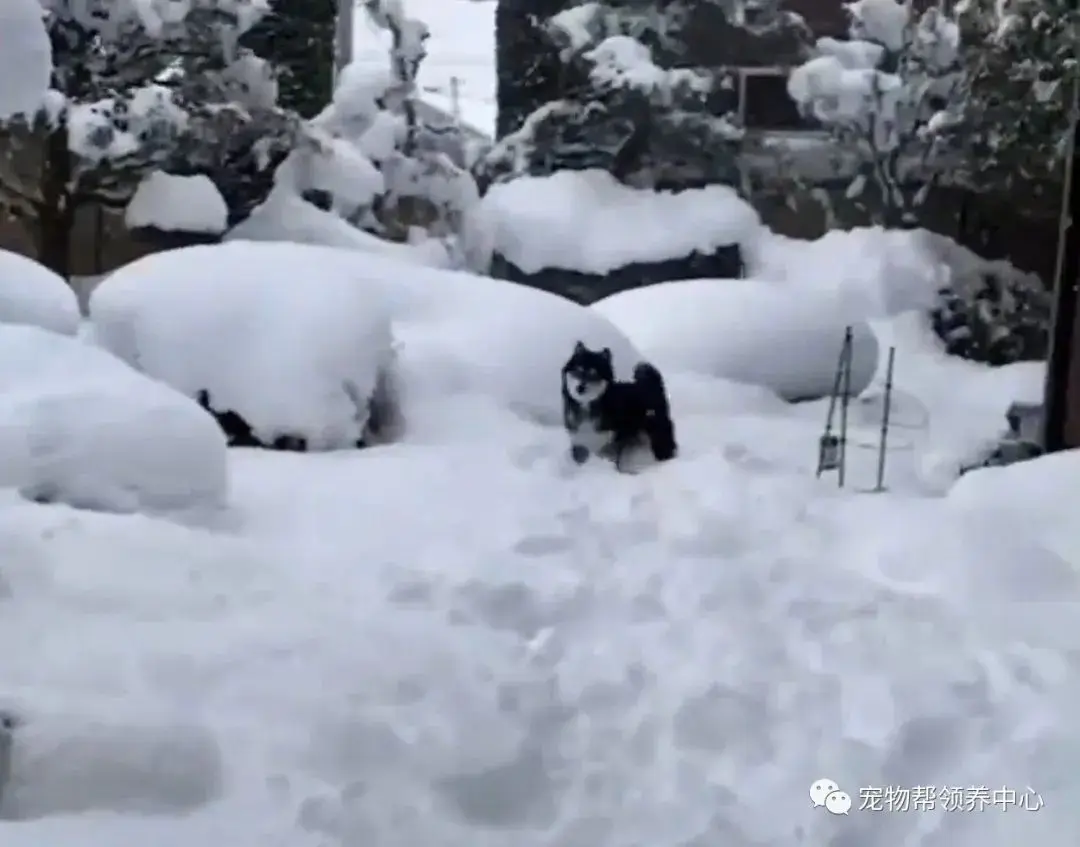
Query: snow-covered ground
461	640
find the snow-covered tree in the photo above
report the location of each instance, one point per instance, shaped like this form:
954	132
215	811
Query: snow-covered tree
527	65
25	60
134	83
628	101
1012	121
369	159
297	38
882	95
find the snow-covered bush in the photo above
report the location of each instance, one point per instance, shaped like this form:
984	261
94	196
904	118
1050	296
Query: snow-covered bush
32	295
756	332
626	103
567	233
78	426
989	311
136	87
1012	121
374	162
296	354
881	94
282	356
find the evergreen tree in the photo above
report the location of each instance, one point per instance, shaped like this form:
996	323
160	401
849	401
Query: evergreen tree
130	90
528	69
1013	122
640	88
297	37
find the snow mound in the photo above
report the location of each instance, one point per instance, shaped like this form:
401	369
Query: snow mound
589	222
289	333
780	337
33	295
64	765
173	203
25	58
271	332
285	217
78	426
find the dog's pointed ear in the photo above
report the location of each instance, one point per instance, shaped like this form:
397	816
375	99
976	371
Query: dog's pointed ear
579	347
606	353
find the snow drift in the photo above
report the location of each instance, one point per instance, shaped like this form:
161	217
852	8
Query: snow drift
286	335
784	338
78	426
33	295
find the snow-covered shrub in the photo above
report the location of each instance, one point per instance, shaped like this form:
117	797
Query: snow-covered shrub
881	94
32	295
990	311
80	427
136	87
1011	121
283	356
570	233
756	332
296	354
372	160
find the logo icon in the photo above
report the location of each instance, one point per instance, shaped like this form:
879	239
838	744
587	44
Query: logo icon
821	789
838	803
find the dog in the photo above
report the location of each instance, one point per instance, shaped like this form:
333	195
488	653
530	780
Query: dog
605	417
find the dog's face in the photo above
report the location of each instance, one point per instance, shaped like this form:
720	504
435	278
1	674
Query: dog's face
588	374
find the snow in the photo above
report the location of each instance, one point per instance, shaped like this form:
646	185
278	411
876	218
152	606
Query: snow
78	426
31	294
282	327
25	58
458	74
587	221
173	203
463	640
294	347
750	331
286	217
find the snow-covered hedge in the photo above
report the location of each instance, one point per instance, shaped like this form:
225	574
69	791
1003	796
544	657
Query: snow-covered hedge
751	331
295	339
78	426
989	310
286	350
584	235
32	295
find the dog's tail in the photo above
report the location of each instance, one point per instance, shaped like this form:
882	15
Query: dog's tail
661	429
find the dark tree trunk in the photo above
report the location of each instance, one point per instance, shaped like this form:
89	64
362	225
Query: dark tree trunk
56	213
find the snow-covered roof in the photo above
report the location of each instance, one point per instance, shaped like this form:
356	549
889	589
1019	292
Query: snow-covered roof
587	221
177	204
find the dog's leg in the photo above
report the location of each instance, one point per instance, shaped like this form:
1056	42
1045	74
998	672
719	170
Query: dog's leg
579	453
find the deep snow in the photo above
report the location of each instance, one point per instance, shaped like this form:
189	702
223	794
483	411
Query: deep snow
750	331
463	640
78	426
33	295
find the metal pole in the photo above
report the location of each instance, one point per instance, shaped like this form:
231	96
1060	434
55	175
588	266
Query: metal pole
885	412
845	398
1066	273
